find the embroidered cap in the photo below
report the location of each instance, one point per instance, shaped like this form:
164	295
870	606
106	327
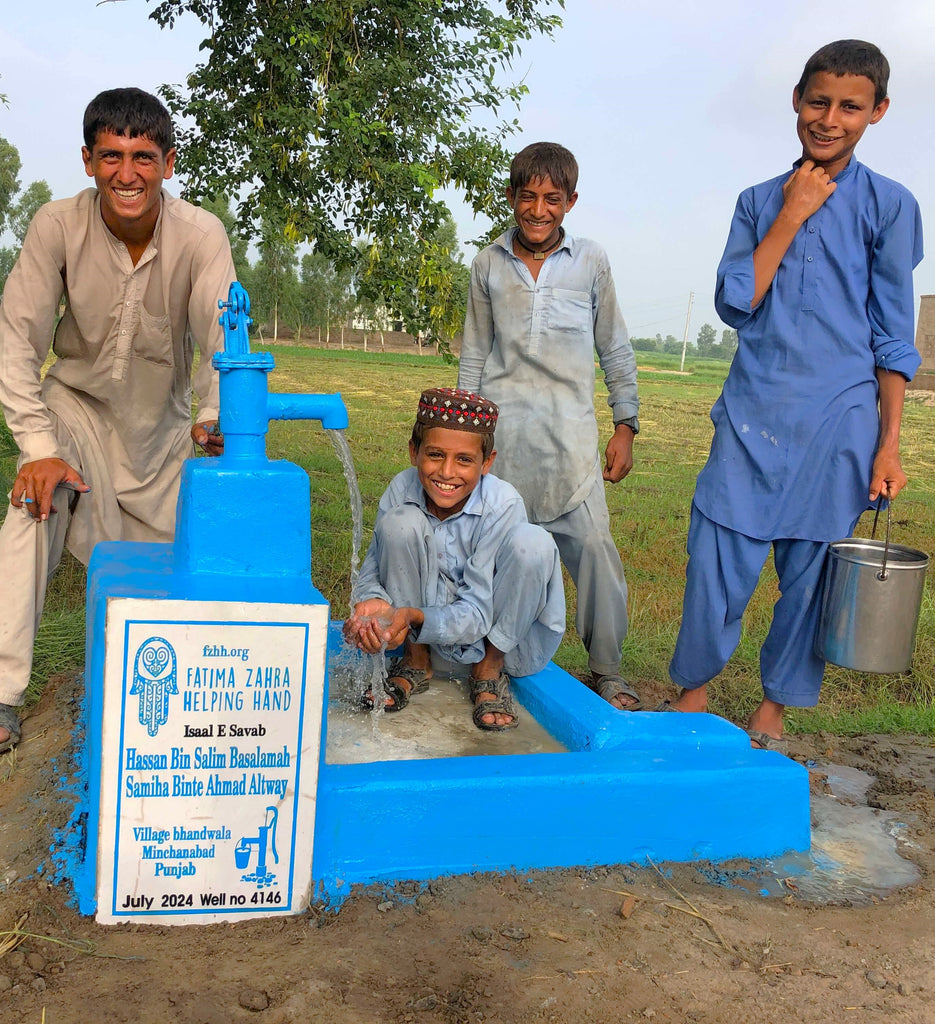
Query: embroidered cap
457	410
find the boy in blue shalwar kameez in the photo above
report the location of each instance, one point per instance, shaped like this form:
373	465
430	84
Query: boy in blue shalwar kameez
817	279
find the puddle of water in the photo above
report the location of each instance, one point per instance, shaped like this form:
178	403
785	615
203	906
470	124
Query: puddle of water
854	856
436	723
849	785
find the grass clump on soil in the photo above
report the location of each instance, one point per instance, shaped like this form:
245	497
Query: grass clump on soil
649	514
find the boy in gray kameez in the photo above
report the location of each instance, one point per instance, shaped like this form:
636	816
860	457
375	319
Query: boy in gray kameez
540	303
455	567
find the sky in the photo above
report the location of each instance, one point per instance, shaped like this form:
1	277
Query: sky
671	107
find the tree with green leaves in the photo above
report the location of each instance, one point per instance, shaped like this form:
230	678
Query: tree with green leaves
428	293
707	341
10	165
221	208
25	208
312	298
670	344
344	119
444	282
326	296
17	208
273	277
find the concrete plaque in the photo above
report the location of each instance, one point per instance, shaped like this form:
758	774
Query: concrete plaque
209	769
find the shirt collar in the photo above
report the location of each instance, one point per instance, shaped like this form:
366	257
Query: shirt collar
849	171
115	241
474	506
505	241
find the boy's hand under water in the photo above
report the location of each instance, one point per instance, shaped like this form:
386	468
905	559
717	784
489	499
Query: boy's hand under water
376	625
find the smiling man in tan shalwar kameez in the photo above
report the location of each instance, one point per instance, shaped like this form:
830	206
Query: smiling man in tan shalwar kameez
102	438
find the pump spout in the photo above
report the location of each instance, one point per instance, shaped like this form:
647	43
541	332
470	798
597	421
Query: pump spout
260	540
330	409
246	405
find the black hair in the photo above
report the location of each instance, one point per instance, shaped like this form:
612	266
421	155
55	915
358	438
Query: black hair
418	436
545	160
849	57
129	112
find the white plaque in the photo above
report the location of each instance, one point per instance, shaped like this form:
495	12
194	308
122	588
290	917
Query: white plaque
209	766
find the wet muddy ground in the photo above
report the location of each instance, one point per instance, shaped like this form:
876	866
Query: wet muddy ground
684	943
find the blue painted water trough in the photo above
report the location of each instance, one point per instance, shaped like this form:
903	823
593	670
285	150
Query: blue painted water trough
209	796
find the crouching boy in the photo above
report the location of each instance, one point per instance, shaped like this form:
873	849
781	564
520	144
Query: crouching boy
455	567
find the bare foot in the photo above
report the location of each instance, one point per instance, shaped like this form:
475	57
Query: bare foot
401	683
9	727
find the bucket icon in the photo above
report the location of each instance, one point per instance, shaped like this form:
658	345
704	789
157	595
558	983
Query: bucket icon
870	606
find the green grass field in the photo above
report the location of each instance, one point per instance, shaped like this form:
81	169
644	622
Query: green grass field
649	517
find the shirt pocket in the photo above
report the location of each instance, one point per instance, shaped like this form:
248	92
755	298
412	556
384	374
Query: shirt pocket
569	311
153	340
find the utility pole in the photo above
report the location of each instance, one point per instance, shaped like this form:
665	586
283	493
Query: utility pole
688	316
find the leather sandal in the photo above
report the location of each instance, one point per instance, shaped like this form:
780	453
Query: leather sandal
767	742
418	679
613	685
501	705
9	720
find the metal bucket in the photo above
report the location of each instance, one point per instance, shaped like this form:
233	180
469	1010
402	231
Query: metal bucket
871	603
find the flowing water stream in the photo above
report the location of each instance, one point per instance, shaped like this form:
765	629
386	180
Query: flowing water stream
343	450
377	661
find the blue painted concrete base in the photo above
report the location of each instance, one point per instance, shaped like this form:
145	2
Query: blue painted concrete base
122	569
632	786
629	787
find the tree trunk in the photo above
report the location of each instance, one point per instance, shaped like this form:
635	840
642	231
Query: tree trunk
382	343
342	337
365	341
276	321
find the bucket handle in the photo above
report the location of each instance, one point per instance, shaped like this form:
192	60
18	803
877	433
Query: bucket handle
882	574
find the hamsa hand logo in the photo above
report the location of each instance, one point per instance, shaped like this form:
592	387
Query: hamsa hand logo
154	680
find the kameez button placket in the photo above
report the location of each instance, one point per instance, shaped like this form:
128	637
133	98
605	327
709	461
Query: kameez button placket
809	270
125	331
537	319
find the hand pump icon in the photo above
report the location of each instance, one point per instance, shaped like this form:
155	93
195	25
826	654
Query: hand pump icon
265	837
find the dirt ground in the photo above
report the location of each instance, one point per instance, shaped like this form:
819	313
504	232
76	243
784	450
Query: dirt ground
604	945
